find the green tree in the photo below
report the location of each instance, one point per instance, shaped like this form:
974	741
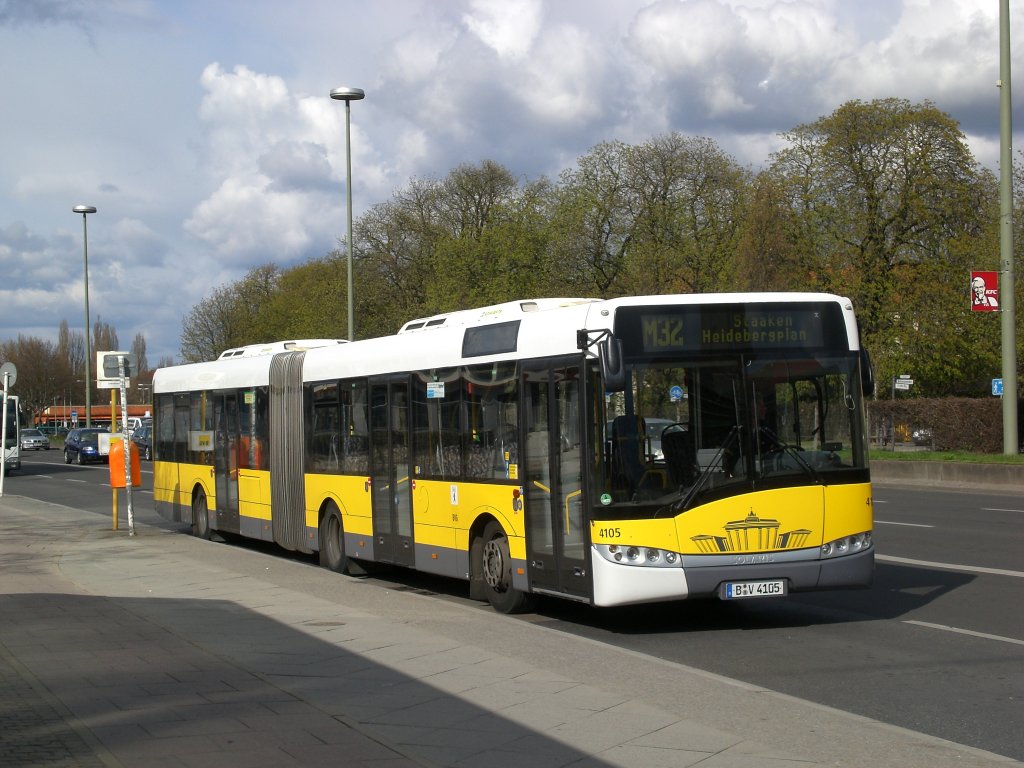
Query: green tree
230	317
505	256
592	221
660	217
892	208
690	200
770	255
39	366
471	238
395	243
309	301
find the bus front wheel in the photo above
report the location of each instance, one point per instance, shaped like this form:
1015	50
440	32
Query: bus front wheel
332	540
200	516
496	569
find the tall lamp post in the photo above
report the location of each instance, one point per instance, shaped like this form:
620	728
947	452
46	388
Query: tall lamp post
85	210
348	95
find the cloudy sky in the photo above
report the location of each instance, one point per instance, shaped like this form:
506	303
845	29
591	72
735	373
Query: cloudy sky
203	131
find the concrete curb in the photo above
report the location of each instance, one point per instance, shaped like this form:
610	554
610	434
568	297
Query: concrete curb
993	477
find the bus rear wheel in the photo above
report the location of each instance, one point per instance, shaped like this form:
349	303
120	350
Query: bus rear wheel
200	517
332	540
496	568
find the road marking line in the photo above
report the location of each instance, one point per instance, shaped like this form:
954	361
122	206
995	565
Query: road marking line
1000	509
971	632
951	566
912	525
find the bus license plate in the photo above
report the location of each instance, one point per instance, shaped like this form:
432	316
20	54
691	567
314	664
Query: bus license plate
734	590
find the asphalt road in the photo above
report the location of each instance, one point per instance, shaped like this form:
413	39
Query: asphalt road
936	645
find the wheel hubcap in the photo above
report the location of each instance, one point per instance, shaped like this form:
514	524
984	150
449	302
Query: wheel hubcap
494	565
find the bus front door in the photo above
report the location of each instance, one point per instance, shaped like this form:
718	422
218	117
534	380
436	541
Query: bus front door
390	480
556	536
225	460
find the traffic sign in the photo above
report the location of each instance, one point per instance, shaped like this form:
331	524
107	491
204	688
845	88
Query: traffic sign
997	387
903	384
9	372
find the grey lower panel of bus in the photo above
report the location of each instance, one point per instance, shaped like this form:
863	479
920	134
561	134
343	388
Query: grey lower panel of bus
443	562
254	528
352	547
850	571
437	560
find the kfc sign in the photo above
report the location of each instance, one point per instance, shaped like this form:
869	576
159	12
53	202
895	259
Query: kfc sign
985	291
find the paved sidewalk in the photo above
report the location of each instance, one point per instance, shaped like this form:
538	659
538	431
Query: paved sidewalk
163	650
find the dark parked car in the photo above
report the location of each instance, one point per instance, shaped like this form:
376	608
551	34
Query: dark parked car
33	439
82	445
143	439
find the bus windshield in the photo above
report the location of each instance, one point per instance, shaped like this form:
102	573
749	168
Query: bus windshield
690	428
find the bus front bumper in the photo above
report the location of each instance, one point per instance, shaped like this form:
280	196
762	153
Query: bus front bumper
618	584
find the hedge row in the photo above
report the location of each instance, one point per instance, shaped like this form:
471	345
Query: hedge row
955	423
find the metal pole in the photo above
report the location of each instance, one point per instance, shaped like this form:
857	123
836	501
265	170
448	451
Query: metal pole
346	94
127	445
88	331
3	433
348	189
1007	293
85	210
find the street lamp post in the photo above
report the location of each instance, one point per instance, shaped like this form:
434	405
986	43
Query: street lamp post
348	95
85	210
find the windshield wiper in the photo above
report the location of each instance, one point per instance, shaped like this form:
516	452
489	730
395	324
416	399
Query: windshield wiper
717	461
789	450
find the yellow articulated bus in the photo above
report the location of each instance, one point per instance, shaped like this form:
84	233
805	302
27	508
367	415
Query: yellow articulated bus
632	450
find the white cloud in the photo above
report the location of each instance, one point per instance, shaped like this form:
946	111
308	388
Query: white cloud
244	218
680	37
414	57
565	78
942	50
507	26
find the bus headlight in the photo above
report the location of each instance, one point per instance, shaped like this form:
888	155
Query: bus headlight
847	545
640	556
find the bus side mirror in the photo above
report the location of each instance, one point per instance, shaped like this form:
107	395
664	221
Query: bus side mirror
867	374
613	372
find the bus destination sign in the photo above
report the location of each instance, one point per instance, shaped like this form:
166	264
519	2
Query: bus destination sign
718	328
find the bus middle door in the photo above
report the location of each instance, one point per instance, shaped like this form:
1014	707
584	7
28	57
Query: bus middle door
390	480
556	537
225	459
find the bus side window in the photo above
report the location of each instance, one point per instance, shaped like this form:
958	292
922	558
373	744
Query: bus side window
354	429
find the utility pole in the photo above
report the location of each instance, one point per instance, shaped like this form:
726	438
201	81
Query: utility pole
1007	292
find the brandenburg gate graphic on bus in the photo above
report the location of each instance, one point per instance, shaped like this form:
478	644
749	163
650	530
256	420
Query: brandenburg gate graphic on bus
751	534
